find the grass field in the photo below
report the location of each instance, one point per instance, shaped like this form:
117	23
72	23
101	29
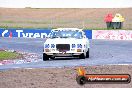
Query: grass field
8	55
54	18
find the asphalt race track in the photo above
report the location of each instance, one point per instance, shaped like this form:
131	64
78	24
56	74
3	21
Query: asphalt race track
102	52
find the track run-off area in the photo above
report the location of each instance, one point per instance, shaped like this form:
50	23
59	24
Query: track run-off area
102	52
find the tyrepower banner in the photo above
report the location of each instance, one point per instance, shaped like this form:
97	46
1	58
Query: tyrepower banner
26	33
112	34
32	33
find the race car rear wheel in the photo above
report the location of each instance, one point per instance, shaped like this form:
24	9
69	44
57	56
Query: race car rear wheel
82	56
45	57
87	54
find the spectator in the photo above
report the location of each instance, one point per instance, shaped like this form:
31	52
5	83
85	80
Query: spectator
108	20
118	21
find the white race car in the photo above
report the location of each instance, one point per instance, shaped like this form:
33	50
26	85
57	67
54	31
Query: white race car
66	42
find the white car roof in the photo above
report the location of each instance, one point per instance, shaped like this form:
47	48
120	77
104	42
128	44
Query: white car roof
74	29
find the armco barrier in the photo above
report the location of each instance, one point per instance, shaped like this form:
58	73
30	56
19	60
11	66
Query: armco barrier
112	34
31	33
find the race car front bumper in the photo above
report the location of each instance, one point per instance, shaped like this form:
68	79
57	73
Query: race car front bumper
71	52
63	54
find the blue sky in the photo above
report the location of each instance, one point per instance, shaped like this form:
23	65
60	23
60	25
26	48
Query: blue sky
66	3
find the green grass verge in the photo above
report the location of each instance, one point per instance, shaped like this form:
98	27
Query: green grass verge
4	55
30	27
20	27
105	29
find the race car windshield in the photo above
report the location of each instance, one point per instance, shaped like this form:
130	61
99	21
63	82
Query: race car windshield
66	34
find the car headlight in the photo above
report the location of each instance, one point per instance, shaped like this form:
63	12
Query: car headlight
52	49
73	46
46	46
47	50
79	50
79	45
52	45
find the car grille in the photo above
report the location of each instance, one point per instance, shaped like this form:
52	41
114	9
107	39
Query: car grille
63	47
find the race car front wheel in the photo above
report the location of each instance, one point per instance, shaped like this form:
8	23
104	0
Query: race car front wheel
45	57
82	56
87	54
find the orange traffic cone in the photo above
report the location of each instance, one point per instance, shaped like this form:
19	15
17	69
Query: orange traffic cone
81	71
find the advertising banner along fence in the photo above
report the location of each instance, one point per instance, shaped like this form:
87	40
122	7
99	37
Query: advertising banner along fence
32	33
112	34
27	33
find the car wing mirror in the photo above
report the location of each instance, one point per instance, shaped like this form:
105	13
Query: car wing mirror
84	37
